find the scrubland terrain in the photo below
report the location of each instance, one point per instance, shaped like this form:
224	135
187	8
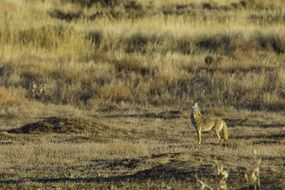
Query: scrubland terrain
97	93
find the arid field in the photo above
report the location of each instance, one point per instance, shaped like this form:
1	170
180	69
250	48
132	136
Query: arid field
96	94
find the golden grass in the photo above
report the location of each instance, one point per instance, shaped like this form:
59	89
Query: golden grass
47	153
42	157
60	58
154	59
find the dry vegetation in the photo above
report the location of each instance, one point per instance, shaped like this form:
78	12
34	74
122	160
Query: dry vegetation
107	71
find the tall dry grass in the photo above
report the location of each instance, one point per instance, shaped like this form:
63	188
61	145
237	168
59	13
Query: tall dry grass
142	53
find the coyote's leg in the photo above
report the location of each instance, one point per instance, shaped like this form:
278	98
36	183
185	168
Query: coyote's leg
218	134
199	135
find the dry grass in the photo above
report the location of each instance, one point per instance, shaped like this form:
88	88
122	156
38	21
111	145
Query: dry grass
140	149
121	60
131	60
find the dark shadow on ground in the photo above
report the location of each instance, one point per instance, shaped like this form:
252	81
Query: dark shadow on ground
172	170
247	123
163	115
175	169
253	136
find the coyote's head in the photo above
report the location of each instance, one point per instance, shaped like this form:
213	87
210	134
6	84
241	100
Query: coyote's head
195	106
195	109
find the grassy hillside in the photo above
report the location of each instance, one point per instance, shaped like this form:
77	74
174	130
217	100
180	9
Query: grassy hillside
102	55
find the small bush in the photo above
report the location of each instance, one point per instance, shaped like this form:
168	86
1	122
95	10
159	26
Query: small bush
96	38
184	45
9	97
66	15
137	43
271	41
89	3
132	65
220	42
116	91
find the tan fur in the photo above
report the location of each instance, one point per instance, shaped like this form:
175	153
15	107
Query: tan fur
201	123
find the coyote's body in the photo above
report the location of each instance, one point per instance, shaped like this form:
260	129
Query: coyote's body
201	123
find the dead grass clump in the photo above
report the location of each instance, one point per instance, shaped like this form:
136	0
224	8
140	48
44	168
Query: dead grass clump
89	3
184	45
13	102
271	41
264	5
8	97
134	9
149	43
132	65
268	17
209	6
29	77
234	43
96	38
137	43
116	91
74	15
200	86
6	70
213	6
66	15
179	9
219	42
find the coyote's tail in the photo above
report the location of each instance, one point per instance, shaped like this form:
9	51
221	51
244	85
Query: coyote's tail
225	131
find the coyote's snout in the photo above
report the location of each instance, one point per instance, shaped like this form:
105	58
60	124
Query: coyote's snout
201	123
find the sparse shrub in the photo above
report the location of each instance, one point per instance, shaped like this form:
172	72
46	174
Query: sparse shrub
116	91
134	9
208	6
137	43
132	65
105	105
271	41
142	92
184	45
220	42
12	101
96	38
200	85
133	5
89	3
6	70
267	17
6	96
29	77
66	15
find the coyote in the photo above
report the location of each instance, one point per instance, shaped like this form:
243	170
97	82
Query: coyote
201	123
